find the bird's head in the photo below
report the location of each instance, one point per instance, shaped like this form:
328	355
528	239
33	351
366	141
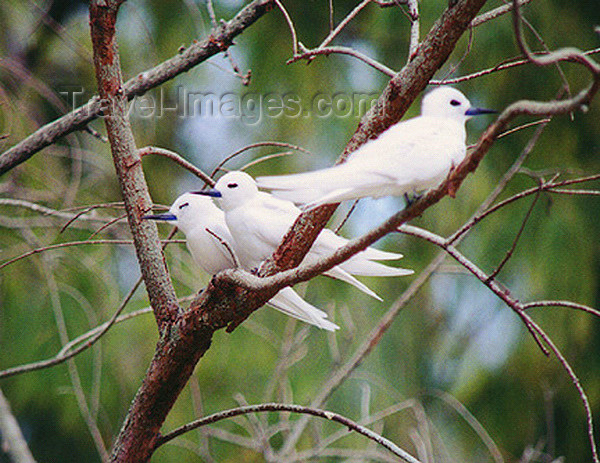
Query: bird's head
447	102
232	190
186	211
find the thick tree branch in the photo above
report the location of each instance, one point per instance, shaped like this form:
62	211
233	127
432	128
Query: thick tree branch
128	163
220	39
141	427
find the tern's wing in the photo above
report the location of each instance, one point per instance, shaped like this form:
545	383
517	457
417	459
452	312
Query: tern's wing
413	155
258	227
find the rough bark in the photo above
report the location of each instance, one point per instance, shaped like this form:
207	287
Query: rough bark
185	336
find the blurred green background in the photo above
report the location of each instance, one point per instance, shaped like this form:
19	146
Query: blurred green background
453	338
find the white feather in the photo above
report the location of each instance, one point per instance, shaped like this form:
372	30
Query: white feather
411	156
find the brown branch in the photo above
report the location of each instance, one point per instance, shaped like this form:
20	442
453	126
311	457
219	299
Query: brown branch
128	162
394	101
511	250
259	144
184	336
310	54
219	39
66	245
277	407
179	160
538	334
135	440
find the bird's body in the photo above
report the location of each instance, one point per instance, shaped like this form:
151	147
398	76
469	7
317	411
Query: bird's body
213	248
411	156
258	221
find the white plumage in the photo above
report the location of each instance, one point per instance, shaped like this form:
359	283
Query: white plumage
258	221
194	215
411	156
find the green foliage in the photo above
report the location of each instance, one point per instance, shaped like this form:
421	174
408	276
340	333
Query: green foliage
438	342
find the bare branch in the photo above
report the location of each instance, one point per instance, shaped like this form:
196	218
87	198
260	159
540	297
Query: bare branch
225	245
66	352
309	54
564	54
13	442
413	12
72	243
546	186
536	331
499	67
179	160
290	24
276	407
567	304
128	163
218	40
256	145
511	250
493	14
343	23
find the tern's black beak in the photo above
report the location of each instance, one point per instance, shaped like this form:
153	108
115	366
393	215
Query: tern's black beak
168	216
212	193
478	111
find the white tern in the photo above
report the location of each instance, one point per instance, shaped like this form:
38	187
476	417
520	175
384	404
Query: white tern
200	220
258	221
410	156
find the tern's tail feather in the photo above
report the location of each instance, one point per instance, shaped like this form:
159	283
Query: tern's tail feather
378	254
288	302
364	267
340	274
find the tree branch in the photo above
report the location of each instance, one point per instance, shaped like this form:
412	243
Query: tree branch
219	39
128	163
13	442
395	99
277	407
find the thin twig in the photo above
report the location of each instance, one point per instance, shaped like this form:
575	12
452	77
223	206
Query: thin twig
493	14
309	54
257	145
225	244
290	24
567	304
512	248
74	243
413	12
277	407
13	441
498	67
265	158
179	160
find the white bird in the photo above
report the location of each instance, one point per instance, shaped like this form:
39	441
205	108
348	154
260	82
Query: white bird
258	221
212	248
411	156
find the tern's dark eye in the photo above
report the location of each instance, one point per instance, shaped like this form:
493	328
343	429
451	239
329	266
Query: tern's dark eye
181	206
232	185
455	103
